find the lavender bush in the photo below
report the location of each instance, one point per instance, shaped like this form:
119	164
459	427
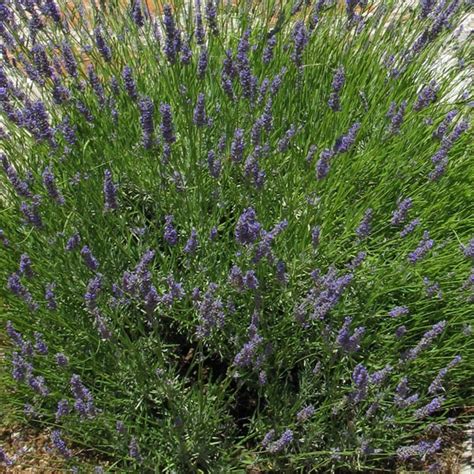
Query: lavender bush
236	235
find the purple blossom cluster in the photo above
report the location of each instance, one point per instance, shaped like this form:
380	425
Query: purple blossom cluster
15	285
436	384
278	445
440	158
360	380
410	227
400	214
398	311
146	121
326	293
211	312
402	398
396	115
248	228
429	408
426	341
89	259
363	229
305	413
337	85
60	444
83	399
110	192
420	450
425	245
347	341
342	145
427	95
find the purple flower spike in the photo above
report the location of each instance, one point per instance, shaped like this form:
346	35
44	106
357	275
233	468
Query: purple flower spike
166	127
202	63
468	249
25	266
436	384
38	384
426	7
199	116
300	40
172	41
400	214
96	85
134	450
268	50
410	227
281	443
199	33
237	146
41	61
89	259
84	402
360	377
284	142
323	164
268	438
61	360
129	82
16	287
345	142
422	450
50	185
348	342
250	280
337	84
426	340
396	117
429	409
110	192
4	459
92	292
425	245
21	187
311	152
211	16
213	234
306	413
192	243
40	346
440	132
102	46
146	121
120	427
247	229
378	377
315	235
211	312
137	14
60	444
364	228
170	236
63	409
400	331
70	62
398	311
214	164
427	95
73	242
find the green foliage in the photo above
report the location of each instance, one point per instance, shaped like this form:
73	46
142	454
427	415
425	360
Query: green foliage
183	397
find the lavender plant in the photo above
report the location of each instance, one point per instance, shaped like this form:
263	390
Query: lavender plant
236	235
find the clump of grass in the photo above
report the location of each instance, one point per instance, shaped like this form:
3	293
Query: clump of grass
236	235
